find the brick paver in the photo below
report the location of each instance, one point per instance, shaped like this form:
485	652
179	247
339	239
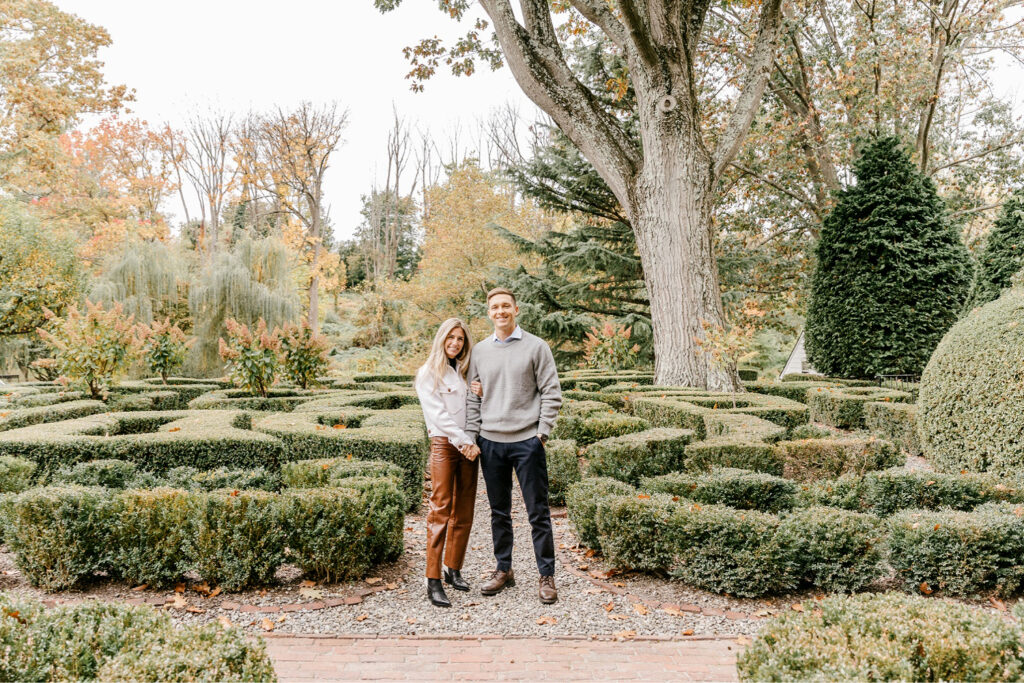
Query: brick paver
348	658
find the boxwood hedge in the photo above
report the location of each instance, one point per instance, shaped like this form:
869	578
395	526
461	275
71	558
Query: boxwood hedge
844	407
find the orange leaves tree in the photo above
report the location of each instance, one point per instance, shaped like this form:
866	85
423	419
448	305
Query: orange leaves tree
91	348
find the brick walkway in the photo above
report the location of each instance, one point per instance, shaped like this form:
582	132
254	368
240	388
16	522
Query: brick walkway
492	658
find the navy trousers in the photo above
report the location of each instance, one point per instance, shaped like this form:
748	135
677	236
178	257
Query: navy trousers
527	458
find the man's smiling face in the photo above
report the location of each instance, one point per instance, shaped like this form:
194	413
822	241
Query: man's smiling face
502	311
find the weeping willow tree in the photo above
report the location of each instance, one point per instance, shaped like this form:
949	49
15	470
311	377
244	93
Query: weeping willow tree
149	279
251	281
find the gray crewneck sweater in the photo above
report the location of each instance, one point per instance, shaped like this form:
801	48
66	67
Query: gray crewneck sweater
521	390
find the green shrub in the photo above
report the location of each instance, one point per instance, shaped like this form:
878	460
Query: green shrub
896	422
156	441
971	400
582	500
193	479
113	474
844	408
886	637
164	347
892	272
747	374
147	531
733	452
57	534
886	492
26	417
563	468
641	454
688	408
337	534
71	643
369	378
110	642
735	488
810	431
1002	255
330	471
732	551
15	474
199	653
634	531
960	553
793	389
836	550
586	430
811	459
236	538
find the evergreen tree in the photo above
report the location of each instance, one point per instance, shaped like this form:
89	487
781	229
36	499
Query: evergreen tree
1003	253
892	273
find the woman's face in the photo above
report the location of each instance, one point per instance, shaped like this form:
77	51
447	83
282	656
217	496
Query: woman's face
454	342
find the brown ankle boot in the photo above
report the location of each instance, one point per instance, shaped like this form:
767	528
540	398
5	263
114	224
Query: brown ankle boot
498	581
548	592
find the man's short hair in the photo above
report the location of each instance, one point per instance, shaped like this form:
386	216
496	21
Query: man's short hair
501	290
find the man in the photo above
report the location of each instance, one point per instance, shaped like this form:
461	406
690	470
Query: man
513	418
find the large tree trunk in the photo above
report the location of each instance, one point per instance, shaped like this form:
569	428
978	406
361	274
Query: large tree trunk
670	210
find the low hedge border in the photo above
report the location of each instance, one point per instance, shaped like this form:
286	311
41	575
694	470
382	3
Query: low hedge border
282	400
394	436
100	641
844	408
632	457
740	489
121	474
814	459
231	538
572	380
887	637
16	418
589	421
383	377
896	422
687	409
157	441
792	390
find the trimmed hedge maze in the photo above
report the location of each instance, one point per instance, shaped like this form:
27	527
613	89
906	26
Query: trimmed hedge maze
225	493
743	494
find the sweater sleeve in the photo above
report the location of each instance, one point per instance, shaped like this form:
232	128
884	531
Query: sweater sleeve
550	389
472	404
433	406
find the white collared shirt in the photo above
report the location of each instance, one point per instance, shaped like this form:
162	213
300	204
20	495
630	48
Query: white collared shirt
516	334
444	405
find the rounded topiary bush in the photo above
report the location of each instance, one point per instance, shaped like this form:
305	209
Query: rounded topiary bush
972	391
883	638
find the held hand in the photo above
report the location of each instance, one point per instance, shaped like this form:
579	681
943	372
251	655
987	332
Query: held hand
476	387
471	451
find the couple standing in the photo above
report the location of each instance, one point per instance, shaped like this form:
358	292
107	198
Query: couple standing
504	416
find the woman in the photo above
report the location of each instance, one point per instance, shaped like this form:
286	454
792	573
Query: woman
441	386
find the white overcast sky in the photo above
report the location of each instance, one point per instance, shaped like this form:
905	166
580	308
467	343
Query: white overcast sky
235	55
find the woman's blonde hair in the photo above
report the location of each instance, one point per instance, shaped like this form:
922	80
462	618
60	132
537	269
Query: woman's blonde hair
437	361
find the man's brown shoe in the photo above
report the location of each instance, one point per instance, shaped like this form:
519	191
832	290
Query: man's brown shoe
498	581
548	593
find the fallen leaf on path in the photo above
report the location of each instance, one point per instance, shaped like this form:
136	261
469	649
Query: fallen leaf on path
618	617
216	591
743	640
224	621
195	610
267	624
640	608
594	591
179	588
374	580
362	617
797	607
583	567
391	586
141	588
618	584
311	593
925	588
547	620
998	604
688	632
625	635
179	602
202	588
672	611
410	620
307	583
281	619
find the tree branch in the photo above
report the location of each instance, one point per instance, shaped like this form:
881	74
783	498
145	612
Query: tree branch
750	97
984	152
597	12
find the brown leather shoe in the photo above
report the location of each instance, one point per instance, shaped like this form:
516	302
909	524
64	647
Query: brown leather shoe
548	592
498	581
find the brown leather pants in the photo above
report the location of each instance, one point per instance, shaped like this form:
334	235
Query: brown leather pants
452	500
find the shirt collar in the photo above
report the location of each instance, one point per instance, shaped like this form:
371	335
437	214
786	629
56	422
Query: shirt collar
516	334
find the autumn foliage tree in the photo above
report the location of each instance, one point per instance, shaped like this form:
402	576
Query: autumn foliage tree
664	162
